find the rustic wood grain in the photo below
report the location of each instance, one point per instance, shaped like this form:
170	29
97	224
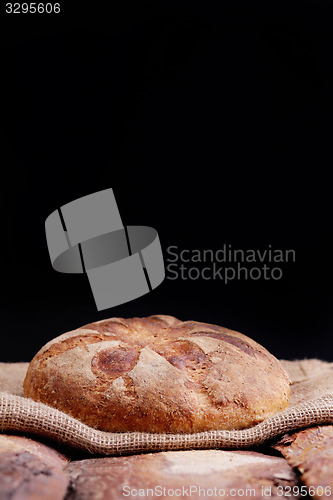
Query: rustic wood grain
311	451
30	470
127	477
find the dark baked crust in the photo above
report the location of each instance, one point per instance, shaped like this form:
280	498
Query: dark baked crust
158	374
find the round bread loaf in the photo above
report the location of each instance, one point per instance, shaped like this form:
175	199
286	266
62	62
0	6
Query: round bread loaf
158	374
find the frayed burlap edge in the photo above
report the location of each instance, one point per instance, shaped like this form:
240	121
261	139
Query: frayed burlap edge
27	416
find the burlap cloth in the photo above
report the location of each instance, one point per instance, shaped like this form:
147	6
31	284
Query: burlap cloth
311	403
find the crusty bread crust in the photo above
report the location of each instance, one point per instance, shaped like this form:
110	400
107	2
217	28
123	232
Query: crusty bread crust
158	374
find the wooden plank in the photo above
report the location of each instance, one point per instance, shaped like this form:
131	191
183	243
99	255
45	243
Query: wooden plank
311	451
30	470
194	474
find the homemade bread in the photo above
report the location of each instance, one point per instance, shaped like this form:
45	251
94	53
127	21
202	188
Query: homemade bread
158	374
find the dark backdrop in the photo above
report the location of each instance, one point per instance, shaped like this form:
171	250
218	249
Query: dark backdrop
211	121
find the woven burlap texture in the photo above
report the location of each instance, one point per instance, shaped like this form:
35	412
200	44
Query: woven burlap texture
311	403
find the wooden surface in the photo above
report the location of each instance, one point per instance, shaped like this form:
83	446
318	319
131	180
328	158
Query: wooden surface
196	474
299	463
30	470
311	452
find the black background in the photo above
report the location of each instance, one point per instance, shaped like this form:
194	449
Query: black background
211	121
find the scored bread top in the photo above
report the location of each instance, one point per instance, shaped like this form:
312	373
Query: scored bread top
158	374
